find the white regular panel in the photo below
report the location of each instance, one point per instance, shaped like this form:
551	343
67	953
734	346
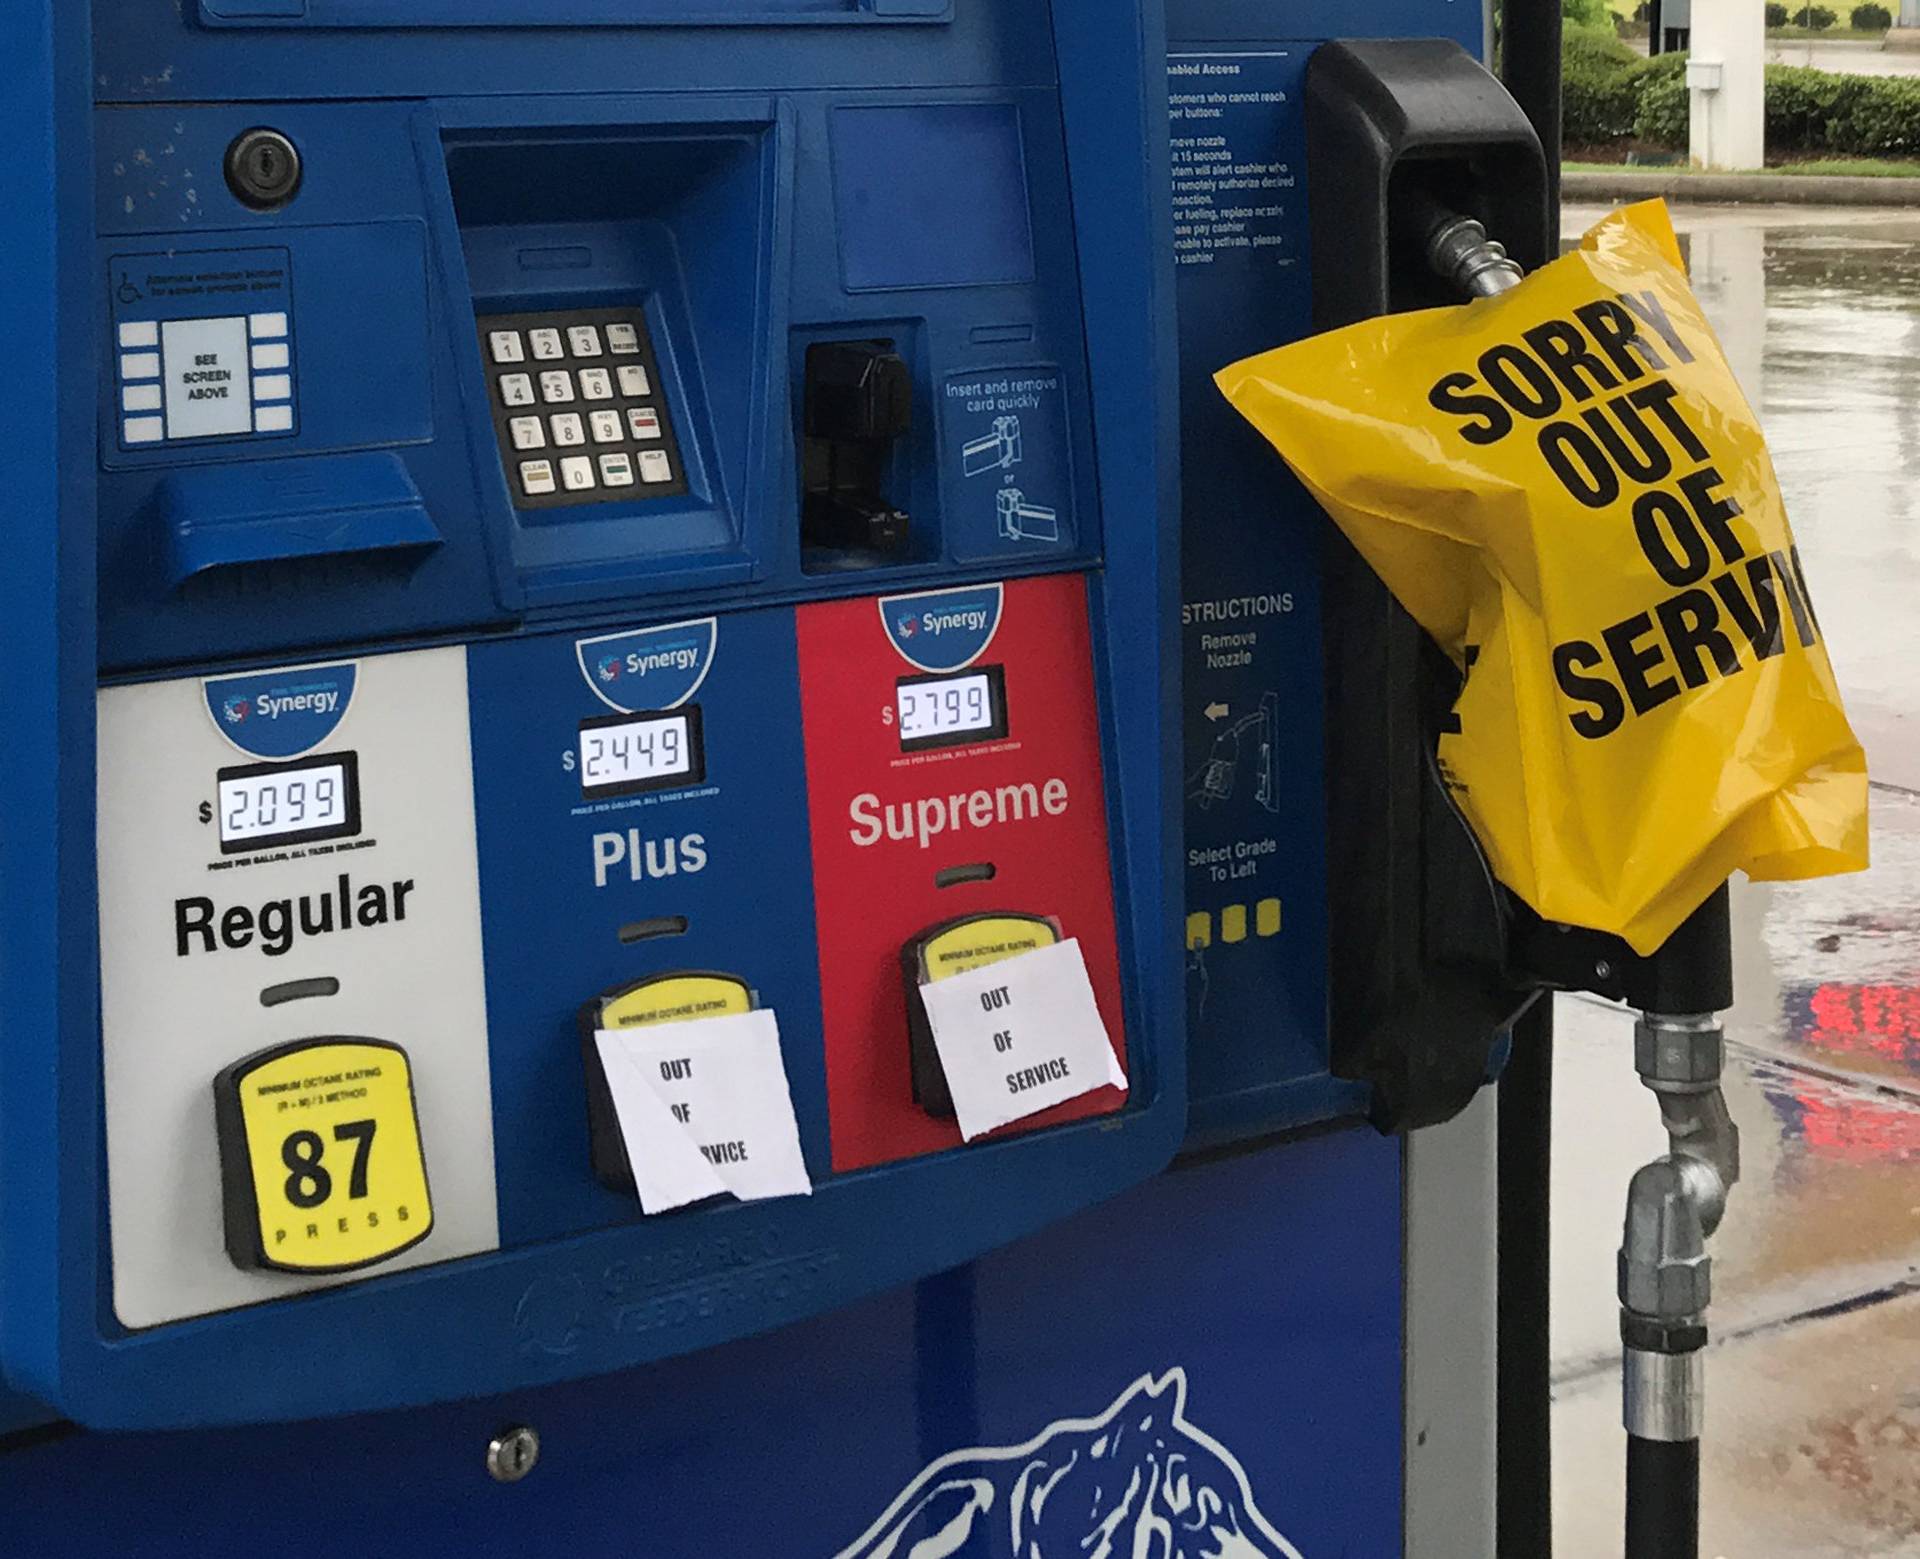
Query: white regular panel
192	935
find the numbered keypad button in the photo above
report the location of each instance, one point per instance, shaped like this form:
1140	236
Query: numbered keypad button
644	422
655	466
505	345
516	390
527	433
556	387
584	340
567	429
606	427
576	473
616	470
536	477
546	345
633	380
596	384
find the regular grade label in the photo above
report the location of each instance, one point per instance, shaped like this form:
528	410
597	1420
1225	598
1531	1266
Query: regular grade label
322	1157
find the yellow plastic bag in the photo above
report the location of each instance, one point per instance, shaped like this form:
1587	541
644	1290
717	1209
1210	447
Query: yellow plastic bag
1565	487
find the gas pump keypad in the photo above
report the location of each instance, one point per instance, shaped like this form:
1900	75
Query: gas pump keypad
578	408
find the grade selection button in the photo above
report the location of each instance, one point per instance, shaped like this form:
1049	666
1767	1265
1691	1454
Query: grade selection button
139	332
322	1168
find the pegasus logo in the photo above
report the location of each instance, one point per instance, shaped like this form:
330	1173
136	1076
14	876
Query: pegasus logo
908	626
1138	1482
234	711
609	668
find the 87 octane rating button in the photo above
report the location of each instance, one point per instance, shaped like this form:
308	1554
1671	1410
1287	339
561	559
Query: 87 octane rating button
321	1166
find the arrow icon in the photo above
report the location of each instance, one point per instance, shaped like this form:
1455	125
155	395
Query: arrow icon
1215	711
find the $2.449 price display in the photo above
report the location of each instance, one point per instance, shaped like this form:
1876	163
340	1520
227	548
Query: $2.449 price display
321	1163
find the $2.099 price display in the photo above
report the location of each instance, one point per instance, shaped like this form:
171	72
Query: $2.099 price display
321	1163
264	804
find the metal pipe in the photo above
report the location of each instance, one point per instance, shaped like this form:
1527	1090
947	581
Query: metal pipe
1666	1279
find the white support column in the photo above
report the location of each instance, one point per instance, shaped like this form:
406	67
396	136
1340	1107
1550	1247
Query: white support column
1725	58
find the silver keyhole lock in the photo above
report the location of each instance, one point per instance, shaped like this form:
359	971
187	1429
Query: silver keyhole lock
263	169
512	1454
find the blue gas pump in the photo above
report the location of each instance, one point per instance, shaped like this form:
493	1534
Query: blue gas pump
532	517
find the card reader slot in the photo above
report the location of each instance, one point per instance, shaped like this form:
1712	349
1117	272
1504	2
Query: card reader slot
299	990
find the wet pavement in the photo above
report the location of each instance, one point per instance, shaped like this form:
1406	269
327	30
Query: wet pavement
1813	1442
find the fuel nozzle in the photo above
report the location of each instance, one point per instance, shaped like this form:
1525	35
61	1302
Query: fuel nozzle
1456	247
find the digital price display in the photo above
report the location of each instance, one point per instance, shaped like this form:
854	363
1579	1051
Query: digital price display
941	711
624	754
301	802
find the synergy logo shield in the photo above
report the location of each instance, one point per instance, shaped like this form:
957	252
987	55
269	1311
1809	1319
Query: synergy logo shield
943	630
281	713
1138	1479
649	668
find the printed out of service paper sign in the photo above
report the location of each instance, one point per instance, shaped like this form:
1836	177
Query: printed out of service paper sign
1020	1036
704	1109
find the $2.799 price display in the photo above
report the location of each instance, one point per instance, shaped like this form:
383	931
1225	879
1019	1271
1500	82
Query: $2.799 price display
321	1163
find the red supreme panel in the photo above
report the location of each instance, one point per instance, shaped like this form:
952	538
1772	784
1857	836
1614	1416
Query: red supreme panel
892	808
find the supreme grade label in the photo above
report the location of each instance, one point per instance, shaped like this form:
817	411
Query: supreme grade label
321	1163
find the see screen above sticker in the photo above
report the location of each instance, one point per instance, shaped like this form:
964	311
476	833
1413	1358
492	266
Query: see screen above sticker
321	1164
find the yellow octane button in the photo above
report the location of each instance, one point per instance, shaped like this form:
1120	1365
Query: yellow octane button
965	945
675	998
321	1165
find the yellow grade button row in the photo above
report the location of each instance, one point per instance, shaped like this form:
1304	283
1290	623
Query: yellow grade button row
1233	923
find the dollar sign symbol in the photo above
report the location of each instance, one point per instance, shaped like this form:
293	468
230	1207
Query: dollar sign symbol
206	811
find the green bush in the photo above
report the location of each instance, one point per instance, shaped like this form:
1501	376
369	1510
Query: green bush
1776	14
1661	114
1881	118
1598	90
1871	17
1808	111
1801	104
1816	17
1587	13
